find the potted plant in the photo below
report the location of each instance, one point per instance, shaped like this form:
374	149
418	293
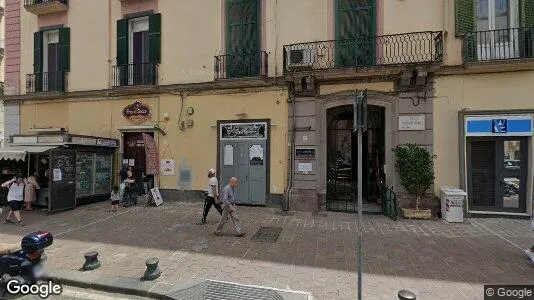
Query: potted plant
415	166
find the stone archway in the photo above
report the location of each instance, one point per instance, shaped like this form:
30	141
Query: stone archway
326	102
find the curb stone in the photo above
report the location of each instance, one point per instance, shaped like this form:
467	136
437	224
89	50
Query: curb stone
109	284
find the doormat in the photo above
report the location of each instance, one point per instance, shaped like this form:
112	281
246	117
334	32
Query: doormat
267	234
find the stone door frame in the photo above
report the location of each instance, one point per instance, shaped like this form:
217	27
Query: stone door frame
377	98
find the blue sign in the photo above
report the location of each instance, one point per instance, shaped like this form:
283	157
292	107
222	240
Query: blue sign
499	126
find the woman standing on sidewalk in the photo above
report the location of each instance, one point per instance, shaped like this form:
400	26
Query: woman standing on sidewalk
30	191
15	198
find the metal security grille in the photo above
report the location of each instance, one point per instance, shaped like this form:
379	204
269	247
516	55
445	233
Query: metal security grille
267	234
213	290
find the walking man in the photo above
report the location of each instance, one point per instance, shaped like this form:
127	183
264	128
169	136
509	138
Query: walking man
213	194
228	201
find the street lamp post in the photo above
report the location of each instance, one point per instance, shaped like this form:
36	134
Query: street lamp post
360	126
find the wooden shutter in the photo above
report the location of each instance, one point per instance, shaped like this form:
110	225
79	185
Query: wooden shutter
465	15
122	42
527	13
243	26
38	52
64	49
154	39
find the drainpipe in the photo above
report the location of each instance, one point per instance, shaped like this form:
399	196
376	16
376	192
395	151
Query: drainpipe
291	154
109	44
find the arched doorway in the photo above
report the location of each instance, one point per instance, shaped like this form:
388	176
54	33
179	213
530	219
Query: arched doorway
341	193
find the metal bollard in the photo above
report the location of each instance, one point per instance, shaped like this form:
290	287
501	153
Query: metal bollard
91	261
406	295
152	271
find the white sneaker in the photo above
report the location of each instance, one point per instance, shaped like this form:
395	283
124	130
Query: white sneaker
530	254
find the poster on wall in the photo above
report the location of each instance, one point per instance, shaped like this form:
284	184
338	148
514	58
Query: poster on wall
228	155
256	155
158	200
167	167
57	176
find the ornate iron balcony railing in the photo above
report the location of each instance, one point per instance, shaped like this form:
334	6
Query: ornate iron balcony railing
41	7
241	65
135	74
395	49
502	44
47	82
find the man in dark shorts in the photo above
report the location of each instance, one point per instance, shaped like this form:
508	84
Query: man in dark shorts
15	198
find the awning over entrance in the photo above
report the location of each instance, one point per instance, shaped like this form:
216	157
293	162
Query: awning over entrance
19	152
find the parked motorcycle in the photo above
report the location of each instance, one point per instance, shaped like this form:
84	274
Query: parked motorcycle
24	264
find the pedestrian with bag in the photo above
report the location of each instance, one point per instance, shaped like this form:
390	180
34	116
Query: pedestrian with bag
15	198
229	210
211	197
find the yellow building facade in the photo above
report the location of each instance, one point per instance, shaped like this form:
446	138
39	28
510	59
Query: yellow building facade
275	81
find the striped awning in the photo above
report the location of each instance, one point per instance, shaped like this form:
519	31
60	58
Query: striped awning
18	153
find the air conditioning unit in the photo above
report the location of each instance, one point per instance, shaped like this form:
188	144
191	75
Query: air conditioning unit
300	57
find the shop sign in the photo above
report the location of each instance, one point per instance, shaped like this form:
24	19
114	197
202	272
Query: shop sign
24	140
51	139
167	167
412	122
499	125
243	131
83	140
136	112
305	153
106	143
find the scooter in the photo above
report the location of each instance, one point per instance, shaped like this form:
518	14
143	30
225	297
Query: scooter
25	264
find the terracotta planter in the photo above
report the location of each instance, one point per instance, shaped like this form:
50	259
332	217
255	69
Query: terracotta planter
409	213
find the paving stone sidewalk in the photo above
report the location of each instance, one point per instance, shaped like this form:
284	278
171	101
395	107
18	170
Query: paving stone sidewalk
436	260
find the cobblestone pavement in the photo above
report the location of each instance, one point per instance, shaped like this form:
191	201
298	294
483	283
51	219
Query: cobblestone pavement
436	260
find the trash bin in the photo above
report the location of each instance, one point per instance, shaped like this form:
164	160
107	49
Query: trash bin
452	204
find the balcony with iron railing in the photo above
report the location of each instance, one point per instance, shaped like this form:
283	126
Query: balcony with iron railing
47	82
498	45
140	74
387	50
41	7
241	65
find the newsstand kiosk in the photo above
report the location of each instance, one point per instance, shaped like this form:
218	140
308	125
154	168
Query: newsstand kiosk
70	169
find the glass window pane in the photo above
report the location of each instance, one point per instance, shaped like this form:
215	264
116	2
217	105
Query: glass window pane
502	14
84	174
482	15
103	169
512	171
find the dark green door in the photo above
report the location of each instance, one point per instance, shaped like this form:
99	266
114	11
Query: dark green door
243	38
355	33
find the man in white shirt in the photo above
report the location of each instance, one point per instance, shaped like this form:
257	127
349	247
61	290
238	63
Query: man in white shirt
213	194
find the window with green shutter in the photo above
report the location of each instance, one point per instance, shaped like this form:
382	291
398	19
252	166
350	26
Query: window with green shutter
138	50
526	23
37	61
243	37
355	32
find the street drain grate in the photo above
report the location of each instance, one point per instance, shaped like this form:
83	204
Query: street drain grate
267	234
216	290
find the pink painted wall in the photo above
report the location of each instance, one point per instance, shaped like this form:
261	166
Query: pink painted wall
134	6
59	18
12	46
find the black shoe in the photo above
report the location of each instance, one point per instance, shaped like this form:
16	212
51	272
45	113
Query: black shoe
8	221
21	224
201	222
